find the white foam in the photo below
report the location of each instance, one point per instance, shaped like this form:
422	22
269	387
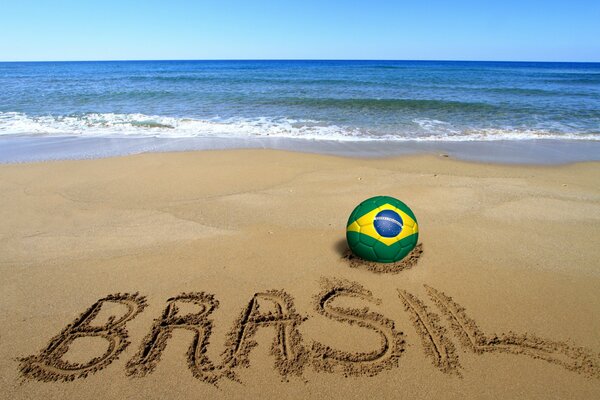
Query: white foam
141	125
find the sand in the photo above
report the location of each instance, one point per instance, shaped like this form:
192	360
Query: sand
225	274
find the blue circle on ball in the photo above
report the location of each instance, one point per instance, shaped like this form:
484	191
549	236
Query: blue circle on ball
388	223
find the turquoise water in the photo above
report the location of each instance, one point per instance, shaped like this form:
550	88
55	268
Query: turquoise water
327	100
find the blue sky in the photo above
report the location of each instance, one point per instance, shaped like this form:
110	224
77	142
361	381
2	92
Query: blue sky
289	29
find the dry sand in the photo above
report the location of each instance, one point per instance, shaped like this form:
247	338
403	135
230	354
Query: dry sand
245	288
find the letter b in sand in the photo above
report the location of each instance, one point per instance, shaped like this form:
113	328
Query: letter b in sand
49	364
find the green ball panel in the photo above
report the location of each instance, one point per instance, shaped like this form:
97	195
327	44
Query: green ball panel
364	251
406	245
359	248
352	238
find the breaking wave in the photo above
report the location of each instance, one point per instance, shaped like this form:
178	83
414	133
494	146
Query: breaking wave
132	125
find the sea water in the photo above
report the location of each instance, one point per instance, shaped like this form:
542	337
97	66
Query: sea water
87	109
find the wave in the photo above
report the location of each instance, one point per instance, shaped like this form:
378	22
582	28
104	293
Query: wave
110	124
527	92
569	80
386	104
245	80
141	125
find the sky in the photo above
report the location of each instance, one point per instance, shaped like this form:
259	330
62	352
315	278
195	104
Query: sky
503	30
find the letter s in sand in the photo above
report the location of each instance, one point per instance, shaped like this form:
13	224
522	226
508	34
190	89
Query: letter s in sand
369	363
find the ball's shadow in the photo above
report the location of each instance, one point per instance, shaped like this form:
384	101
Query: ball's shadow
341	247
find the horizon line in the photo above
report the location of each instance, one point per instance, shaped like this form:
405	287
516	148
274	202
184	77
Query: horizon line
297	59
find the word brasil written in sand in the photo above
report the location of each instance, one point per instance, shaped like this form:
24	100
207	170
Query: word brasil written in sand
275	308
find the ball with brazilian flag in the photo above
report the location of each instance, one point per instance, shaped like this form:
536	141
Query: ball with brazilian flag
382	229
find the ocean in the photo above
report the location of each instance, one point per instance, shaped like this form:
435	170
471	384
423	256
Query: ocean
354	105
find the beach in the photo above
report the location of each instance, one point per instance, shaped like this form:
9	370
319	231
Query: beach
503	302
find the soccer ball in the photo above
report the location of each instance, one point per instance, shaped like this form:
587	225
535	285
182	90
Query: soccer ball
382	229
